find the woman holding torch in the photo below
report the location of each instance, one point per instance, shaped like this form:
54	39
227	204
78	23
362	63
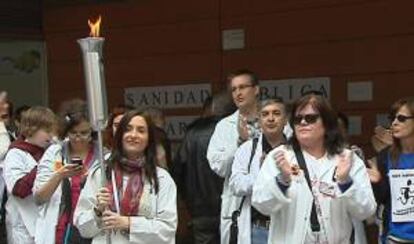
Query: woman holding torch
138	202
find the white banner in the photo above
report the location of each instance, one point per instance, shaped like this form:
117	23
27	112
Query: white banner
402	194
290	89
179	96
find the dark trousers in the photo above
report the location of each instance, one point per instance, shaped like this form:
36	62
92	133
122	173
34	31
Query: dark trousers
206	230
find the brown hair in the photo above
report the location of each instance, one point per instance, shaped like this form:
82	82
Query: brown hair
72	113
253	77
150	166
334	142
37	118
109	133
396	145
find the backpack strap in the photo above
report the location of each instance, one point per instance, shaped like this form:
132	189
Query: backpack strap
314	222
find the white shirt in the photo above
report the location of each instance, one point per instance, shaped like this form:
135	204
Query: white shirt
21	212
49	210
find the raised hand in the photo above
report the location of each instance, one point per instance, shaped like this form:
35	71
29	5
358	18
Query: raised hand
283	165
243	128
343	166
373	171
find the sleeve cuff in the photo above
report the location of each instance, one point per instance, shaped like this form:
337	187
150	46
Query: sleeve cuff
345	186
283	186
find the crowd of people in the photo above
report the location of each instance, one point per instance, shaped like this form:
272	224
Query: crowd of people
248	171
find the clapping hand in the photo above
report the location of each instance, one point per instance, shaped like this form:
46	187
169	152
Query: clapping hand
373	171
283	165
243	128
344	167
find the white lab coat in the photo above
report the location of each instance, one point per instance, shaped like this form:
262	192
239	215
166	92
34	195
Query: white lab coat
156	223
290	213
220	154
241	184
359	232
4	146
21	213
49	210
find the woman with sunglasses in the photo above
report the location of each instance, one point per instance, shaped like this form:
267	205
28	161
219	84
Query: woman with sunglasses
395	189
313	187
137	204
62	174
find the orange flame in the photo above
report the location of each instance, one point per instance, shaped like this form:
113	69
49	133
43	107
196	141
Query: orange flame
95	27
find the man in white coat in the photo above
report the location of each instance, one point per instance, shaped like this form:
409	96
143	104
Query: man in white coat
319	210
229	133
253	226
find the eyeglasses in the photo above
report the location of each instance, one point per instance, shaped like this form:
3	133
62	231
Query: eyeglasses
79	134
401	118
309	118
241	87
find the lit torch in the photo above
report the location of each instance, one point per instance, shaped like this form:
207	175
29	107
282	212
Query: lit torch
95	88
94	76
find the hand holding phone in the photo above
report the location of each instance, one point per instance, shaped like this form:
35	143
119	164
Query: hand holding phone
74	167
76	160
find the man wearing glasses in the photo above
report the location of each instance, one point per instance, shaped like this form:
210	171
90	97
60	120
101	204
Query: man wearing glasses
231	132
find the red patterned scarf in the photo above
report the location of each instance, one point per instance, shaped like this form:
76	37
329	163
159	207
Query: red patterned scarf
130	198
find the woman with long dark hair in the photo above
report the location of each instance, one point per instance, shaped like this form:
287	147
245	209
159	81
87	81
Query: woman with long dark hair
137	204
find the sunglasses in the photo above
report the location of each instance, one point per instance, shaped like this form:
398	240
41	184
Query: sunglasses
309	118
401	118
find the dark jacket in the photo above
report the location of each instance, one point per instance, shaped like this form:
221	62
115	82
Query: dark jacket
382	189
197	184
